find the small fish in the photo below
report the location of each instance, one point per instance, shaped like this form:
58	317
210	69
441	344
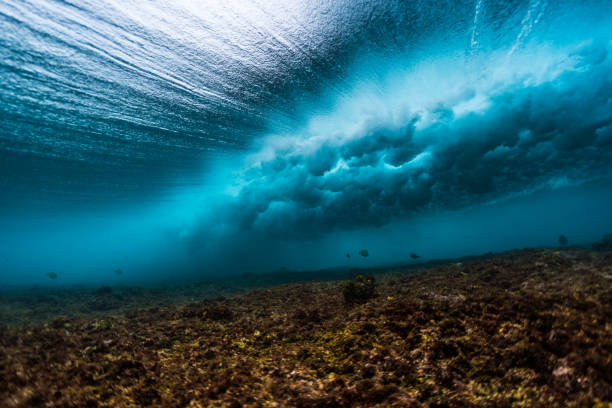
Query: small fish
119	271
414	256
364	253
52	275
348	255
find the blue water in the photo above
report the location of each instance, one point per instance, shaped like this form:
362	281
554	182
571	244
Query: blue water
179	139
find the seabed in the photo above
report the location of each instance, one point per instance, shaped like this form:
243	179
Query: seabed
529	328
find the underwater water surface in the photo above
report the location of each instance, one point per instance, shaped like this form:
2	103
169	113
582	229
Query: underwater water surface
177	140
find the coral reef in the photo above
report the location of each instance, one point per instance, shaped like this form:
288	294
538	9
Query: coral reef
527	328
360	289
604	244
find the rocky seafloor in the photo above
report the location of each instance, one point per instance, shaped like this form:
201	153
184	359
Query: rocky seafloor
530	328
